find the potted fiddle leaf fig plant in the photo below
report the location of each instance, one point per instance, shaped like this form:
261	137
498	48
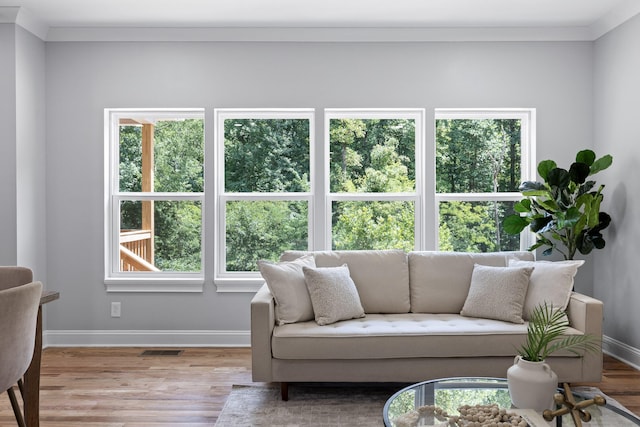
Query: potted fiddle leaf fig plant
531	381
564	209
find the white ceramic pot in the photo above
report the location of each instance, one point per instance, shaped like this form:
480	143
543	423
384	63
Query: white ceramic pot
531	384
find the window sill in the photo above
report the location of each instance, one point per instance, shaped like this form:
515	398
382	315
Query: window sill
175	285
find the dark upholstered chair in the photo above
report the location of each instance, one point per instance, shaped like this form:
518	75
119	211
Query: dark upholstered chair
18	314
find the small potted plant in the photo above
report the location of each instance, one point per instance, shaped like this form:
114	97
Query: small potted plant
531	381
564	210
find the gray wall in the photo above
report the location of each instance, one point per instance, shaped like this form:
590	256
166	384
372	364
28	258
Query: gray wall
30	153
616	131
84	78
22	149
8	255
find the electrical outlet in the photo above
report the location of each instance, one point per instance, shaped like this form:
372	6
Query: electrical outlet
115	309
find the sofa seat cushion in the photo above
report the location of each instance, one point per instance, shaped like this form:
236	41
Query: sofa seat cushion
407	335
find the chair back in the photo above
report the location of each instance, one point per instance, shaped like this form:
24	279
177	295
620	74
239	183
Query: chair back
18	316
14	276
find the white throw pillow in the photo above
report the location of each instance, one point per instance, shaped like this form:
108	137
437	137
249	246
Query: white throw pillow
551	282
333	294
286	282
497	293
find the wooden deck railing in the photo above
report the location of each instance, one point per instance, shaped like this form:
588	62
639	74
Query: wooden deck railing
136	251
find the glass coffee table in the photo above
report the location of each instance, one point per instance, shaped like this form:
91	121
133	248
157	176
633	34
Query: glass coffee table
419	404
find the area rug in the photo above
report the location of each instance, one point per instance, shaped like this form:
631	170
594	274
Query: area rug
308	406
329	405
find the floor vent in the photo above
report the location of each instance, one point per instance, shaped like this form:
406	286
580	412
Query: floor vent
161	353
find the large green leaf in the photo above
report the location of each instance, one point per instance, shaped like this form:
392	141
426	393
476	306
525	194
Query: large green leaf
601	164
537	224
535	193
579	172
549	205
586	156
514	224
569	218
522	206
586	187
604	221
594	211
545	166
584	243
558	177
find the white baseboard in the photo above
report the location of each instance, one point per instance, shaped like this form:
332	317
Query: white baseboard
621	351
155	338
145	338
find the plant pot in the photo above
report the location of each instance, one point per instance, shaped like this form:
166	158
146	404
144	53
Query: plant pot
531	384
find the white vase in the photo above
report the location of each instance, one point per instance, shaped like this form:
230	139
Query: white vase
531	384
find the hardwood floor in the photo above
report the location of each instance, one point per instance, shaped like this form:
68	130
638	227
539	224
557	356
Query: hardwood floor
117	387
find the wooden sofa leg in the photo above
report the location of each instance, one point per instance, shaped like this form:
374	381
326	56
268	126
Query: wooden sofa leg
284	391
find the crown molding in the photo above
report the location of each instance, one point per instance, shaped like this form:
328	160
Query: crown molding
325	34
616	17
9	14
19	16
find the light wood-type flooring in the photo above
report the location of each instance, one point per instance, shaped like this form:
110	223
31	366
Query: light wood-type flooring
117	387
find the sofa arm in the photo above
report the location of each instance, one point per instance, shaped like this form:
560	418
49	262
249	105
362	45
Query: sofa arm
263	320
586	314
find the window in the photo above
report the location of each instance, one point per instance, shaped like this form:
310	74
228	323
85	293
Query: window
482	156
374	181
155	180
264	188
273	194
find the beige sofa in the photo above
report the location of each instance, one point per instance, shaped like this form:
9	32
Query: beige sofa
413	329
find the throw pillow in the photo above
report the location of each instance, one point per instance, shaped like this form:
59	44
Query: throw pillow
551	282
286	282
333	294
497	293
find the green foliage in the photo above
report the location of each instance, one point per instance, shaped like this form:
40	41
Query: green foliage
373	225
563	211
479	155
179	156
366	156
263	230
544	335
266	155
476	156
178	167
178	231
469	227
373	156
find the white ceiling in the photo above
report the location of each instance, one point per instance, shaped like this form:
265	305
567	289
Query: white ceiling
326	13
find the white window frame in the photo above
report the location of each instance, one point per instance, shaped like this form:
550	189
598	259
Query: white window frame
417	196
239	281
115	280
527	117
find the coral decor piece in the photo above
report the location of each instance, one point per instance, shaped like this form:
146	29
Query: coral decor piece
470	416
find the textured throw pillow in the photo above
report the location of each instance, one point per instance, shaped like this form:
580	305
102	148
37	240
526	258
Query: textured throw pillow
497	293
333	294
286	282
551	282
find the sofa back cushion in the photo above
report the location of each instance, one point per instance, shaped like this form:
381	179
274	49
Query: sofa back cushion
381	277
439	281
